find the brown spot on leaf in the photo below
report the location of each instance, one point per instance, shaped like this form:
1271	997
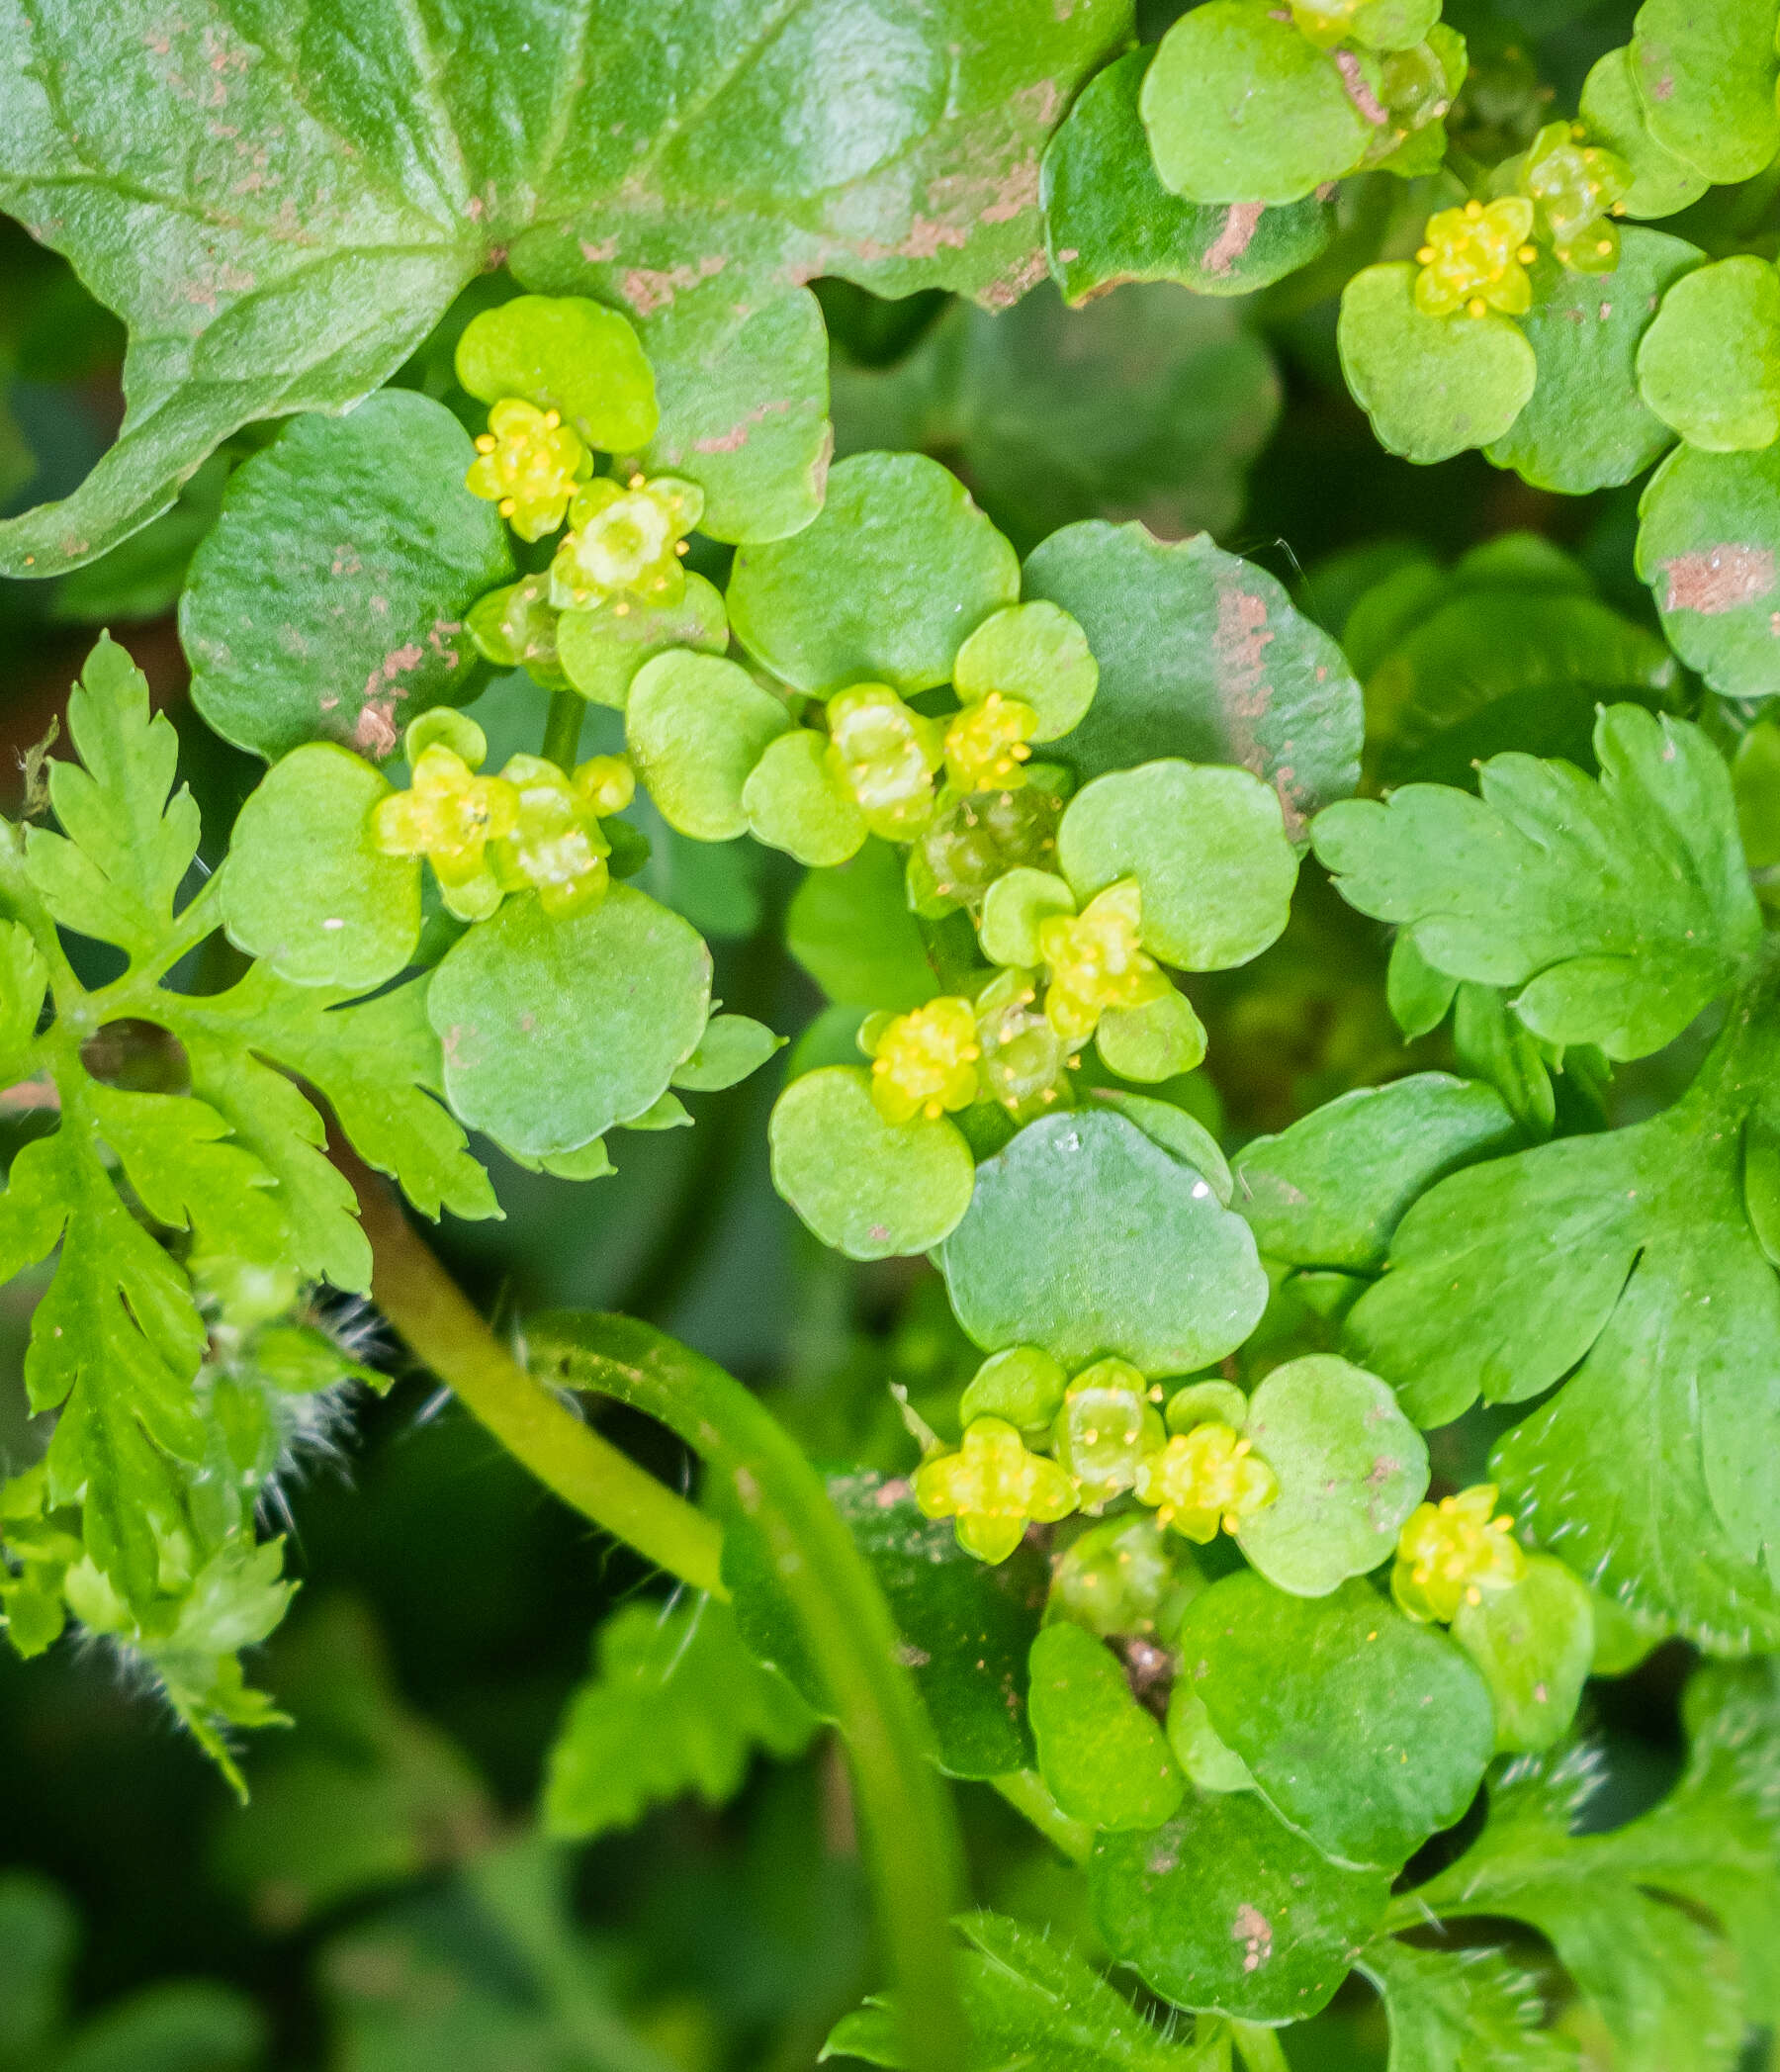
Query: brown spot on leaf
375	734
733	441
647	288
1234	239
1358	90
1718	578
1253	1931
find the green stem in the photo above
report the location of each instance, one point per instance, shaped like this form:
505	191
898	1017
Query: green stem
443	1330
1259	2048
911	1842
1025	1791
563	728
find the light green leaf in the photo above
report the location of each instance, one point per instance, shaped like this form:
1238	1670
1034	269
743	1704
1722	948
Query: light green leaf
1707	542
732	1046
1240	107
871	1189
1535	1646
1150	1044
1366	1731
185	1176
1706	75
1622	908
602	653
1461	2011
1432	386
696	726
1207	847
566	354
306	889
1014	909
1035	653
1087	1238
676	1705
1226	1908
124	846
1173	1130
1104	1758
1202	657
329	599
1351	1467
1108	218
850	929
882	587
796	800
553	1029
1614	110
1710	362
1329	1190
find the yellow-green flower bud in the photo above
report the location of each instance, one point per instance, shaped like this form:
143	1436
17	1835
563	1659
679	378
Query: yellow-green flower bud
1095	961
993	1487
1104	1430
626	545
986	745
528	464
886	754
1475	260
1451	1552
449	816
555	845
925	1062
1203	1479
1024	1060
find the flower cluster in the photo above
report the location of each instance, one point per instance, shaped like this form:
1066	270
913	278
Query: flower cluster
1451	1553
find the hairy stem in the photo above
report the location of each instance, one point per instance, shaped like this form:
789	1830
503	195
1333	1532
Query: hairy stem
443	1329
911	1842
563	728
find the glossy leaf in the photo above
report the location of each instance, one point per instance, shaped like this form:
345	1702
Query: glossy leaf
695	727
732	1046
601	653
1615	112
1432	386
1710	362
1535	1646
1707	545
1102	1755
1706	76
851	930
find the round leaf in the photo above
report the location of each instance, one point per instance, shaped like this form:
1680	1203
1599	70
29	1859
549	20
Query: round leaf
1350	1468
794	801
1614	110
330	598
565	353
695	727
1710	362
1158	1041
1108	219
1707	542
1706	75
1032	652
882	587
1366	1731
1240	107
1105	1759
553	1029
1432	386
1014	906
1586	425
871	1189
1224	1910
305	888
1202	656
1086	1237
1208	847
601	653
1536	1646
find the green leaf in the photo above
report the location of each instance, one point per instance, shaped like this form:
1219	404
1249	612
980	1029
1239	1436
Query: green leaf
1432	386
1207	847
1706	75
566	354
306	888
1535	1646
195	2027
1620	907
1461	2011
329	599
1588	425
1366	1733
732	1046
676	1705
1087	1238
1034	653
871	1189
1173	1130
1707	542
1614	110
1227	1910
1329	1190
254	287
1150	1044
850	929
553	1028
1033	2004
1240	107
1351	1467
124	846
796	800
882	587
1710	362
1108	218
1104	1758
696	726
601	653
1149	401
38	1934
1202	657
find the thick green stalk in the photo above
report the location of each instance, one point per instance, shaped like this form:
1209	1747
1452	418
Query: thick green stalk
563	728
443	1329
911	1840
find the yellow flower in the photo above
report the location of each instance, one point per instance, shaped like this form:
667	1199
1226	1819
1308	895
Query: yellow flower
626	544
1451	1552
1023	1058
1206	1478
1475	260
1095	962
1323	20
992	1485
926	1062
529	464
449	816
985	744
556	847
1105	1429
886	754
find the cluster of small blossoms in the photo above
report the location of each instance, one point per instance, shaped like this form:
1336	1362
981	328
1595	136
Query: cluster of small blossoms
1095	961
534	828
1563	190
529	465
1451	1553
1039	1444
